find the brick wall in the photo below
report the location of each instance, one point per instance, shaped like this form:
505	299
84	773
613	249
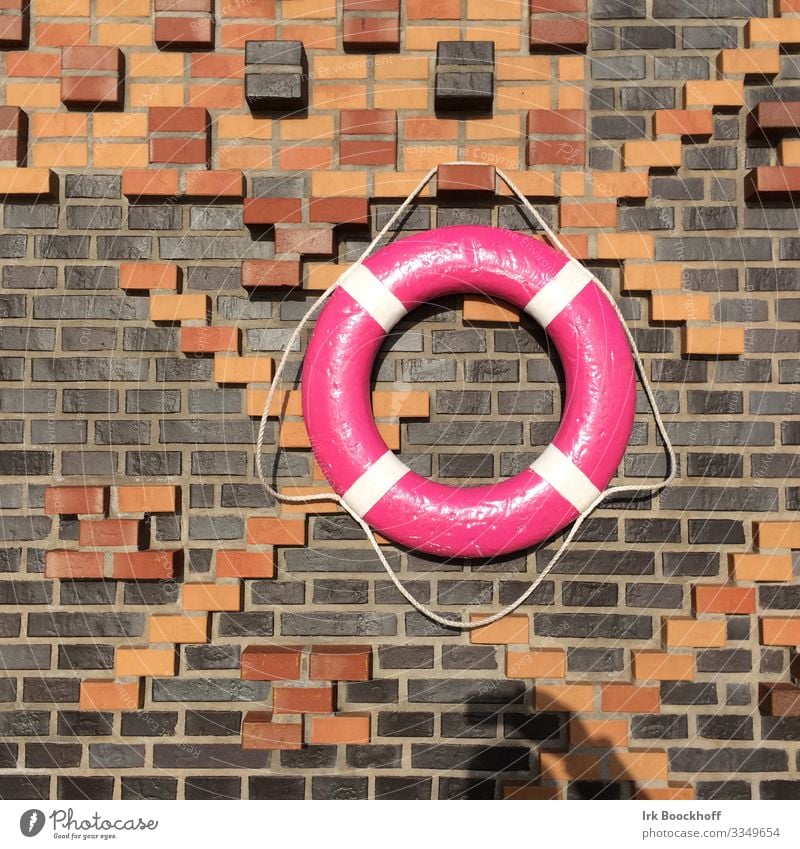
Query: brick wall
173	201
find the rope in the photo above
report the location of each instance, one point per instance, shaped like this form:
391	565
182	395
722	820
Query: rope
649	489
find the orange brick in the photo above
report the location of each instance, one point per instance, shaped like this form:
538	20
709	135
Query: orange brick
471	178
526	791
683	122
772	31
340	663
683	307
209	340
110	695
664	793
148	275
765	61
578	698
478	309
53	125
662	666
321	276
214	184
299	157
216	597
145	661
302	700
630	698
652	154
271	663
271	530
147	499
638	766
557	767
60	154
260	732
119	155
588	215
344	728
651	276
74	564
542	663
242	369
178	629
179	307
37	65
161	65
724	599
778	534
149	183
109	532
789	152
713	341
620	184
511	630
151	565
74	500
692	633
245	564
780	632
713	93
271	272
599	733
127	35
40	96
625	246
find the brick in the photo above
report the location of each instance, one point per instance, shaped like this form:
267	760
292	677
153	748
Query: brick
542	663
556	122
338	210
774	118
621	184
271	663
263	211
260	732
209	340
556	152
662	666
269	530
772	180
562	33
652	154
779	700
145	661
147	499
144	565
340	663
772	31
478	310
691	633
302	700
214	184
683	122
760	567
110	695
624	246
177	119
78	500
556	767
178	629
511	630
639	766
777	535
355	122
375	33
229	369
780	632
764	62
302	240
344	728
244	564
216	597
260	273
181	33
471	178
724	599
109	533
521	790
179	307
630	698
726	93
74	564
150	183
179	151
148	275
91	92
683	307
578	698
715	341
367	152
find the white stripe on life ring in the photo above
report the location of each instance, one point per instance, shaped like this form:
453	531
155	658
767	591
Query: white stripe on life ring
374	483
565	477
558	293
365	288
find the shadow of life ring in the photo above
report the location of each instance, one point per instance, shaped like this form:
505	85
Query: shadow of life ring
491	519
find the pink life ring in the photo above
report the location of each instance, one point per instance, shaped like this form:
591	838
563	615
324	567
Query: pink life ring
491	519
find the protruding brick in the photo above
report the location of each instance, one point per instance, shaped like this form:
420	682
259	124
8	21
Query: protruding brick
599	733
715	598
26	181
713	341
772	181
145	661
212	597
683	307
693	633
774	118
567	152
209	340
629	698
264	211
578	698
640	767
271	530
541	663
109	533
772	31
361	122
761	567
724	93
683	122
147	499
178	629
652	154
779	699
761	62
342	729
651	276
74	500
556	122
257	273
557	767
777	631
179	307
465	178
229	369
563	33
510	630
182	33
340	663
138	182
374	33
214	184
153	565
338	210
244	564
271	663
302	700
260	732
74	564
140	276
110	695
662	666
777	535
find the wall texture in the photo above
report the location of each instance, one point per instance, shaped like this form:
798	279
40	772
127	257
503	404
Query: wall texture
173	201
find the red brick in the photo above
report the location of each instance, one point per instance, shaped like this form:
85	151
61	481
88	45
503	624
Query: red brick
770	117
38	65
145	183
139	498
779	699
10	118
544	6
371	5
470	178
302	240
177	119
272	211
566	152
363	152
260	732
265	272
109	532
302	700
78	91
73	564
74	500
559	32
212	66
340	663
271	663
183	32
12	31
368	122
724	599
179	151
628	698
214	184
83	58
772	180
339	210
209	340
11	150
371	32
245	564
556	122
144	565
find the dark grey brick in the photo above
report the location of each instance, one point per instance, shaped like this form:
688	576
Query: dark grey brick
94	217
93	186
163	217
335	623
593	625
